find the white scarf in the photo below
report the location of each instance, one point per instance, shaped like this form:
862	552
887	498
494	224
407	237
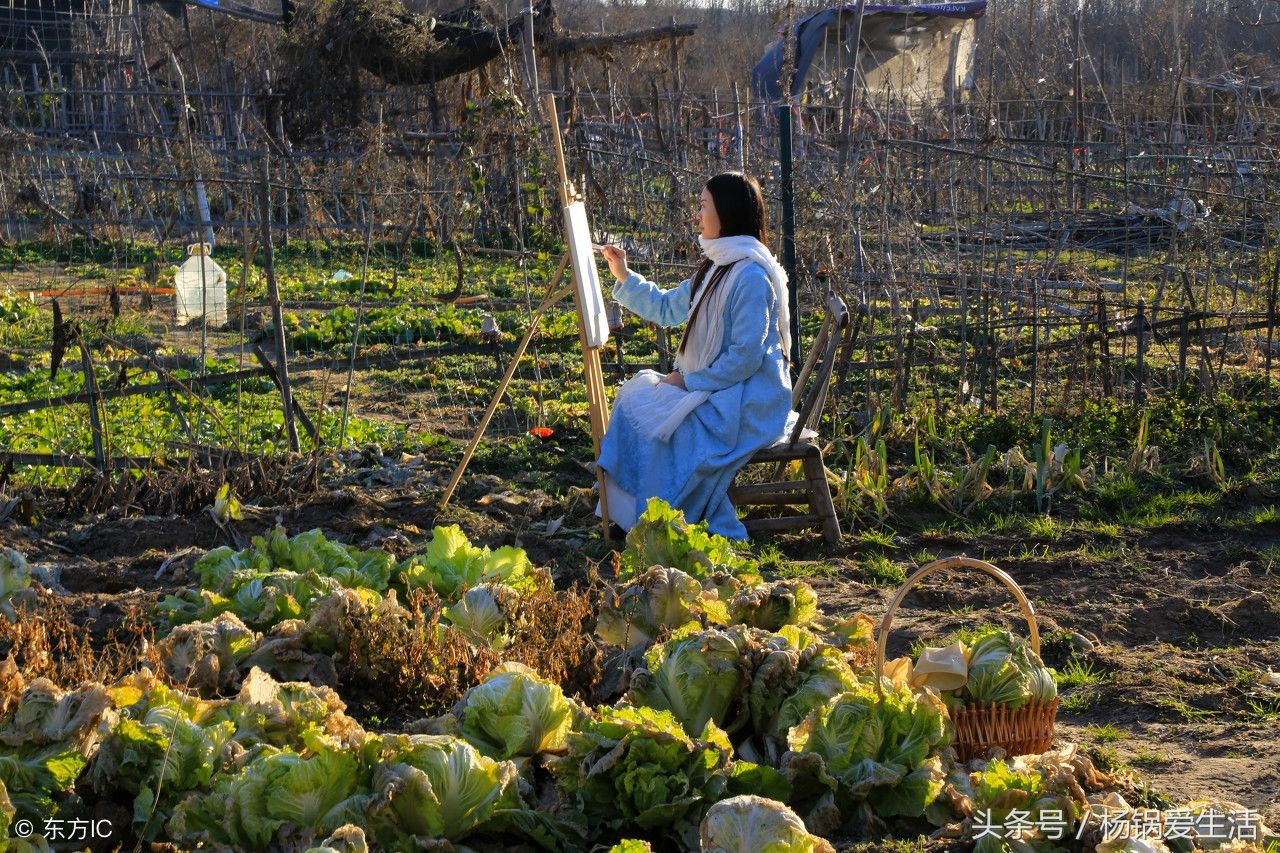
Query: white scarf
727	250
658	412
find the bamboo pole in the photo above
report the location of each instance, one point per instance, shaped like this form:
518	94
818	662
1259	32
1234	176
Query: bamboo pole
554	294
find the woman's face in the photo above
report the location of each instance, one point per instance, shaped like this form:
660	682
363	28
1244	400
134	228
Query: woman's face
708	219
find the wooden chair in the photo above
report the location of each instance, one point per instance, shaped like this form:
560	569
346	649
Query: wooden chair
833	344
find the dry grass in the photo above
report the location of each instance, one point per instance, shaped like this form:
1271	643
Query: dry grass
183	490
399	666
44	641
554	634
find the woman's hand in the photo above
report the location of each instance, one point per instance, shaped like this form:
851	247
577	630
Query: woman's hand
675	378
617	260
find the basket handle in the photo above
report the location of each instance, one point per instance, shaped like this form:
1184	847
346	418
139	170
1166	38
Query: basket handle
934	568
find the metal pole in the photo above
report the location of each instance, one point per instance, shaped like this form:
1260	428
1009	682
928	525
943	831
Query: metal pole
789	228
1140	379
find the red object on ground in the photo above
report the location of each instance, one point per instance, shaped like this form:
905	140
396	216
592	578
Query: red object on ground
542	432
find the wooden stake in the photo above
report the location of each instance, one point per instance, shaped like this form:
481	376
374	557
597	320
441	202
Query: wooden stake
1139	391
95	415
530	62
273	297
1271	320
274	376
1104	349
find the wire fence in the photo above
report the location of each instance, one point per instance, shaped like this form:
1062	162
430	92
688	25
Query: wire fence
1012	254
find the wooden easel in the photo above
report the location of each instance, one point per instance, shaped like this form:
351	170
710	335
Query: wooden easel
593	374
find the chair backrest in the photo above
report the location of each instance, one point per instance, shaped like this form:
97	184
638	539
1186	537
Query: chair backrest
809	394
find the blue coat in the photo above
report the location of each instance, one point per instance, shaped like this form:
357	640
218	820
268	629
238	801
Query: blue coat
748	408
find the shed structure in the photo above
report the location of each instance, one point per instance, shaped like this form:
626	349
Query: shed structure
910	55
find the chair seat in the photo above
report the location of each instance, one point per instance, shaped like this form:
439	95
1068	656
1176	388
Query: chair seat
806	434
783	450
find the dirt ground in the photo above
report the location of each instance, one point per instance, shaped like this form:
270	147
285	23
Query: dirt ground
1183	636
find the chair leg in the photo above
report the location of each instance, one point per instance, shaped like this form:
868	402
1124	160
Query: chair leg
820	502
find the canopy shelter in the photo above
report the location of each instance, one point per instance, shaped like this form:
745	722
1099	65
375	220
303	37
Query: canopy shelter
912	54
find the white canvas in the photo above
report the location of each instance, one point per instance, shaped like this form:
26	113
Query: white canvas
586	274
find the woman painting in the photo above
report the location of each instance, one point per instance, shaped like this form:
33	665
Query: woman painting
683	436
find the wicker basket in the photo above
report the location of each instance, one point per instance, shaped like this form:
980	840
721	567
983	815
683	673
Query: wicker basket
1028	729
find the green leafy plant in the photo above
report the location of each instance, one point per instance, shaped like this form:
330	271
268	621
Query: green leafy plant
858	754
1000	791
1002	670
452	564
659	599
483	614
695	676
635	768
515	713
662	537
772	605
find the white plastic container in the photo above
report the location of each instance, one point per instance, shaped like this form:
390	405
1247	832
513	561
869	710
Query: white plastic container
200	287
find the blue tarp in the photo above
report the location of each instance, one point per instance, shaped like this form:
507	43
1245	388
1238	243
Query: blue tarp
235	8
766	76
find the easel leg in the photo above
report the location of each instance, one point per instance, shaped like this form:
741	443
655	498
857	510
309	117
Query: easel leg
591	371
599	409
554	294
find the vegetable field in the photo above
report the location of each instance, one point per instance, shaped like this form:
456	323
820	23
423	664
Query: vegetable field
235	616
303	652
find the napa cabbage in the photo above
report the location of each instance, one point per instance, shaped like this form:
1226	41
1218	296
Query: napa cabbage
15	577
347	838
1003	670
451	564
277	791
1000	789
660	598
789	684
483	613
206	656
515	712
696	676
44	737
34	773
423	791
225	569
752	824
629	768
772	605
870	753
662	537
278	578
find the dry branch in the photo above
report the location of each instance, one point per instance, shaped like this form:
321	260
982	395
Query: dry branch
214	458
401	47
31	194
601	44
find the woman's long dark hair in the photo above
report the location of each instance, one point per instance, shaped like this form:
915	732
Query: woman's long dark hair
740	208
